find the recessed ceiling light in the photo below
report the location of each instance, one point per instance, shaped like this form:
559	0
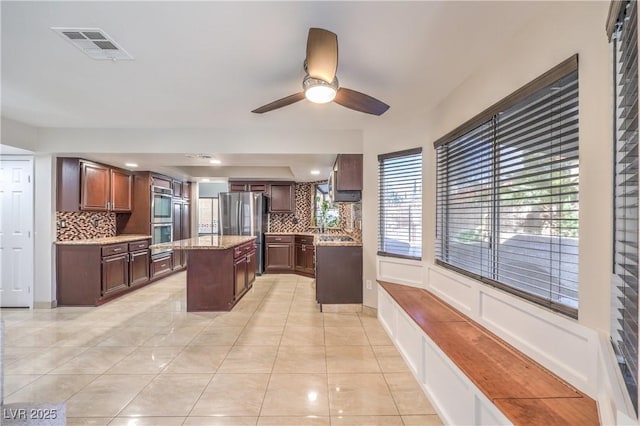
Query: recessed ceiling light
315	172
205	180
215	161
131	164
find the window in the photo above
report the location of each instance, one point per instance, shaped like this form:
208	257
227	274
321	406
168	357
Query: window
326	213
207	216
400	204
624	321
507	193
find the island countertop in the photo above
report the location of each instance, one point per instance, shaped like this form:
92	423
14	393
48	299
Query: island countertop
208	242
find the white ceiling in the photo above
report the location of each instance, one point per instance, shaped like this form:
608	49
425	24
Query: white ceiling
208	64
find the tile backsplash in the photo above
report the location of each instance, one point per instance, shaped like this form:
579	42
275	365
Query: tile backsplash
84	225
302	219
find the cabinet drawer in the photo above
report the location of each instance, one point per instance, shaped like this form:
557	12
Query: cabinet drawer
243	249
138	245
279	238
304	239
115	249
161	265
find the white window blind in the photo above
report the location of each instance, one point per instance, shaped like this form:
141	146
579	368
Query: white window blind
400	204
624	324
507	194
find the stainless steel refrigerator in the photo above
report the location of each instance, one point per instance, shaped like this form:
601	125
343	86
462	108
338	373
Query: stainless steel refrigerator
244	213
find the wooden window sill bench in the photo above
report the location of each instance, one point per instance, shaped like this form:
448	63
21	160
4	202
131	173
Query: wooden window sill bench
524	392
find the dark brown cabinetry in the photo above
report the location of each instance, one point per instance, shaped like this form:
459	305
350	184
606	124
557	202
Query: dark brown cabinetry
305	255
139	258
244	268
279	253
181	231
86	275
345	182
282	195
348	169
217	279
161	265
85	185
338	274
240	186
282	198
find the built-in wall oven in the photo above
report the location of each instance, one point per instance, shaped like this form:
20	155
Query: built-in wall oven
161	217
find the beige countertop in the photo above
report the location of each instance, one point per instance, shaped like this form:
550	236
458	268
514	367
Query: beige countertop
124	238
317	242
208	242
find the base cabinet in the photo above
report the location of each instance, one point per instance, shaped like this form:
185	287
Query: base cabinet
279	253
338	274
161	265
217	279
87	275
305	256
115	273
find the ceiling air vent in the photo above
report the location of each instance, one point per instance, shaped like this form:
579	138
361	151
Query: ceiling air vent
94	42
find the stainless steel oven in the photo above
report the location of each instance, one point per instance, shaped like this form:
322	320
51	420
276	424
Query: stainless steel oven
161	233
161	210
161	217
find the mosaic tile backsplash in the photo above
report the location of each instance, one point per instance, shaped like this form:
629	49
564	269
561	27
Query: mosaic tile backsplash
85	225
302	219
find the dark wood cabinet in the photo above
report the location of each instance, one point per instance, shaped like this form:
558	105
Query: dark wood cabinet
121	191
186	190
305	255
244	268
282	197
348	172
88	186
338	274
181	231
256	186
115	273
87	275
279	253
95	187
239	276
217	279
161	265
139	261
176	186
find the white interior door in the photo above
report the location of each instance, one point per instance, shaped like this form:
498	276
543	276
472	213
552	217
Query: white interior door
16	229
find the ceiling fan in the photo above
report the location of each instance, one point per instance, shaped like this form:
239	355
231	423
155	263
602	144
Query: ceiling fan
321	84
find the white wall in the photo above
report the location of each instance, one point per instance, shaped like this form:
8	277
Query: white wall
45	231
550	338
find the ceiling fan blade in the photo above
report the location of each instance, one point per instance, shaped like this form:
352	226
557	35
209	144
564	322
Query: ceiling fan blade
360	102
280	103
322	54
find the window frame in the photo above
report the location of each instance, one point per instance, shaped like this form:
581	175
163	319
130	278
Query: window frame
486	118
381	204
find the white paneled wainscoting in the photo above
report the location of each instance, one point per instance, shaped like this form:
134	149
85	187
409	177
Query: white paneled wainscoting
579	355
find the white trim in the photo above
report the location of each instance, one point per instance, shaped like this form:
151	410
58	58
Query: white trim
402	271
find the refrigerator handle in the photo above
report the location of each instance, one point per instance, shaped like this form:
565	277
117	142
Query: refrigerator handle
240	219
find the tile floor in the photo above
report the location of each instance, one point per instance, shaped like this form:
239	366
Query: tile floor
274	360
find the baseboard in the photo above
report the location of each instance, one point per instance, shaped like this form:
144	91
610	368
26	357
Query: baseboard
369	311
45	305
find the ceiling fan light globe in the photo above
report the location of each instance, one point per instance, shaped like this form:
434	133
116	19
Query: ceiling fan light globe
319	91
320	94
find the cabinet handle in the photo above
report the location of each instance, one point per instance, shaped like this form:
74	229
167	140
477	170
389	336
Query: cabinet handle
117	249
278	239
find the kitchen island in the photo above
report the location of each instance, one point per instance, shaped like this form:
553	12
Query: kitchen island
220	269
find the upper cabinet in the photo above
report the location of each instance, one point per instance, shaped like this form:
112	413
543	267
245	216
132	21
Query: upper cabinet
345	181
89	186
348	170
282	197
